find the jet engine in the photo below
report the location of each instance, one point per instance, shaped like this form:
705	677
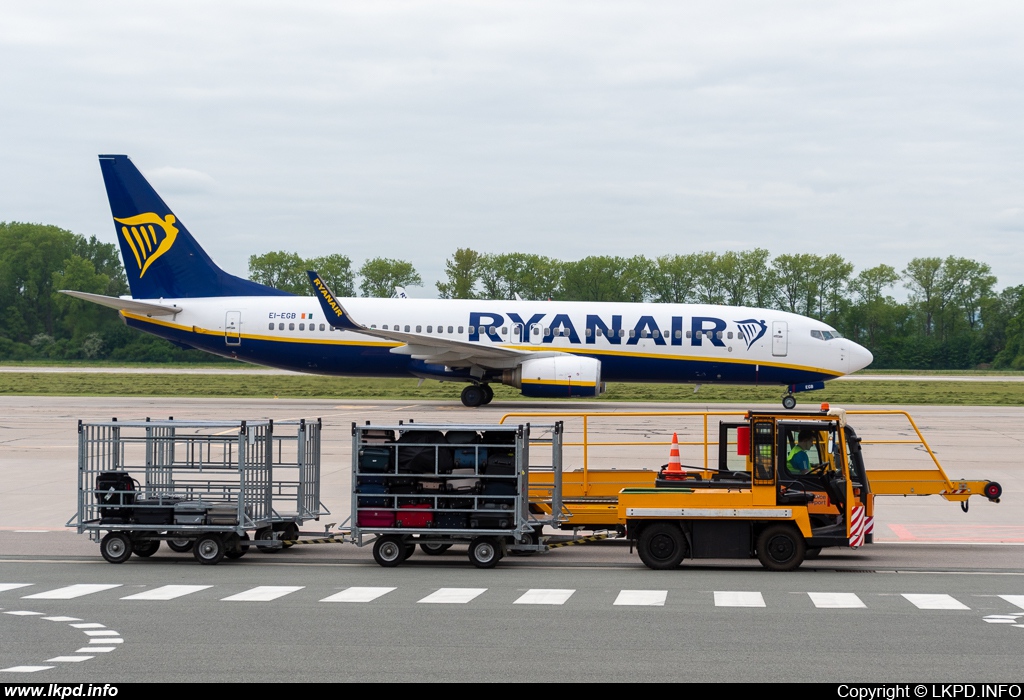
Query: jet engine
556	377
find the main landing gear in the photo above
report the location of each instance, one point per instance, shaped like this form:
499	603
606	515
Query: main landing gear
477	395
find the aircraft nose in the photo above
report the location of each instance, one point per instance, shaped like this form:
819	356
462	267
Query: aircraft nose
860	357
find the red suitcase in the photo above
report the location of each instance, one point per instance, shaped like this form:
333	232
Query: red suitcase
375	518
418	515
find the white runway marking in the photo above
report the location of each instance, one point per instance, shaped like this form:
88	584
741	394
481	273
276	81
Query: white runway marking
836	600
166	592
263	593
62	618
94	650
545	596
641	598
102	633
22	612
76	591
88	626
12	586
452	595
69	659
357	594
739	599
935	601
1017	600
25	669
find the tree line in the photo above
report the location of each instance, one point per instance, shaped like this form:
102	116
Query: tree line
953	315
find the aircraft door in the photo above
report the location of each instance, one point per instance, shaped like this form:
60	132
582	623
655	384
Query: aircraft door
780	338
233	328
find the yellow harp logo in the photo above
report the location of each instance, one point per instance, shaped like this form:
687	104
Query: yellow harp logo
148	243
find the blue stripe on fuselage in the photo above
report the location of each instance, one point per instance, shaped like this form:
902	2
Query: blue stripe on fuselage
378	361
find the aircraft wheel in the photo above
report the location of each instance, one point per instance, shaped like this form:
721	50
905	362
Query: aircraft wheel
488	393
472	396
788	402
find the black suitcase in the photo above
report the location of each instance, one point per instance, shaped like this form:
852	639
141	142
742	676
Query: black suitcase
451	521
500	463
154	511
417	450
115	494
372	496
375	460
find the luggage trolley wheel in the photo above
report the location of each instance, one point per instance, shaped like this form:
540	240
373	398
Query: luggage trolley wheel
484	552
267	534
532	539
116	547
434	548
145	548
390	550
289	532
181	544
209	548
237	547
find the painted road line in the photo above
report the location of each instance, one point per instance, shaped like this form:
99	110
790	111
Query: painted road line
1017	600
94	650
25	669
262	594
738	599
641	598
452	595
836	600
68	592
166	592
63	618
12	586
357	594
69	659
545	596
935	601
22	612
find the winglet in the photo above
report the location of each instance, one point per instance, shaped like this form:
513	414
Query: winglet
333	310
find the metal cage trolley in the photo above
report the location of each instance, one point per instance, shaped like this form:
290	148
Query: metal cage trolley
439	485
196	485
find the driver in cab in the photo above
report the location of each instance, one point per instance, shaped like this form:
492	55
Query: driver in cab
798	461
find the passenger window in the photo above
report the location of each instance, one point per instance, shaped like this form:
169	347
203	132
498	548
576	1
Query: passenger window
419	329
450	330
644	333
430	329
656	333
302	326
407	329
588	332
597	331
460	330
547	332
622	332
321	326
291	326
679	334
271	327
719	334
280	326
491	330
536	330
730	335
504	330
632	332
687	334
471	330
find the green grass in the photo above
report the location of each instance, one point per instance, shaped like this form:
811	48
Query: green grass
978	393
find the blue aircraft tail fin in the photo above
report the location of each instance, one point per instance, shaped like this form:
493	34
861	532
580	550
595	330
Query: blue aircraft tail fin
161	258
333	310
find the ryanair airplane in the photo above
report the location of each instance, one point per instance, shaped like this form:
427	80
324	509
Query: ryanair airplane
547	349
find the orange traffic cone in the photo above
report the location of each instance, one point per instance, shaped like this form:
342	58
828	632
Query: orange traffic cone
674	470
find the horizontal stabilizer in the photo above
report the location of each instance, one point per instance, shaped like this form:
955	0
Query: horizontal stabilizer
139	307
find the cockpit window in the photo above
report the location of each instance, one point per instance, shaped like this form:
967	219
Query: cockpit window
826	335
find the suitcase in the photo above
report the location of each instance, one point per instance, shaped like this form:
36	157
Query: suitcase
423	452
365	480
500	494
431	485
154	511
462	437
490	521
456	503
222	514
500	463
373	501
469	484
414	515
115	494
376	460
375	518
376	436
190	513
498	437
451	521
465	456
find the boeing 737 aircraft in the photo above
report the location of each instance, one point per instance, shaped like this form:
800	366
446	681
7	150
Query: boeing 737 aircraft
543	348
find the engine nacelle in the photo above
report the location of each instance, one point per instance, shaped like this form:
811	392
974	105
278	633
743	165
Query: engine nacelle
563	376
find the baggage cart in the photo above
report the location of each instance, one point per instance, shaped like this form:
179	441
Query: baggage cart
202	486
439	485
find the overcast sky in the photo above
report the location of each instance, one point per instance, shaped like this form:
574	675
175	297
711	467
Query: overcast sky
881	131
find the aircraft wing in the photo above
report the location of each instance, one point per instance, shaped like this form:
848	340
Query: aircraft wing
139	307
430	349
